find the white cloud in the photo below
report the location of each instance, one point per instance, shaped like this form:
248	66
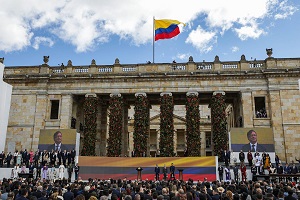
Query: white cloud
202	40
14	35
235	49
42	40
88	24
249	31
183	56
285	10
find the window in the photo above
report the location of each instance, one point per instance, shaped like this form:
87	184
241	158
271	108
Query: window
260	107
54	109
208	139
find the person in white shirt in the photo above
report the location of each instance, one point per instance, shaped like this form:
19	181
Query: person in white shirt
61	171
16	171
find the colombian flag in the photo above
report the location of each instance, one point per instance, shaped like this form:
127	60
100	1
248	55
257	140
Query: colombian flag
166	28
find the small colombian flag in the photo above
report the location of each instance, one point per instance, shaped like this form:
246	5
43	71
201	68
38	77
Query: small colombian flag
166	28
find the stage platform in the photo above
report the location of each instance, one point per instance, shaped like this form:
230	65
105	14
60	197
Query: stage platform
196	168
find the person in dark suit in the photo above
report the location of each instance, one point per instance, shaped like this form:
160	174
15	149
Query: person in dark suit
250	158
57	137
8	159
157	172
253	146
2	158
226	157
172	172
221	172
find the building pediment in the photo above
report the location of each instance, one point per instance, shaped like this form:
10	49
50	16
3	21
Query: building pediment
177	119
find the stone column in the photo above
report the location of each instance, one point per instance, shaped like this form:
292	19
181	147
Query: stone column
219	123
115	141
66	111
90	124
193	142
98	143
39	120
141	124
276	121
103	129
166	125
247	109
125	145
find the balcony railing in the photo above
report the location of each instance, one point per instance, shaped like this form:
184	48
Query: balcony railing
159	68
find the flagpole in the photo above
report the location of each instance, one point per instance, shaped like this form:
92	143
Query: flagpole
153	39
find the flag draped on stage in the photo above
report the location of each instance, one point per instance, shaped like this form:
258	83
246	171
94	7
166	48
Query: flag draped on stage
166	28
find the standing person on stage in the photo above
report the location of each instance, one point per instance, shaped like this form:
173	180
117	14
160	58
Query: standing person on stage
64	157
15	156
38	170
61	171
165	172
16	171
73	155
70	171
45	172
172	172
236	173
294	170
250	158
52	173
157	171
243	172
280	171
242	156
8	159
253	171
287	170
76	170
36	158
221	172
227	173
2	158
226	157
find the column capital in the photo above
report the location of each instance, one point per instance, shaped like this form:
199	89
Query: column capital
140	94
192	94
91	95
218	92
166	93
115	95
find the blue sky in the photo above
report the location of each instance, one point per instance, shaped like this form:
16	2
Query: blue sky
82	30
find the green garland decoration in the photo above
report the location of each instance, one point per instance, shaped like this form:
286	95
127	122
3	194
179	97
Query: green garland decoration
115	134
193	126
166	143
141	125
90	126
219	124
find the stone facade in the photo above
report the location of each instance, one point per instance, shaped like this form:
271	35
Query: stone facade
273	79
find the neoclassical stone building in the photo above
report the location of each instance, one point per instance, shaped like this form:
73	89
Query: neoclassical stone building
258	93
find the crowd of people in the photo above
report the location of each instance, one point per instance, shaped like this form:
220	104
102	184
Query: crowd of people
123	189
47	165
49	182
258	164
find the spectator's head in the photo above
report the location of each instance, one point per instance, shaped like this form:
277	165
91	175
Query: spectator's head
252	136
259	196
